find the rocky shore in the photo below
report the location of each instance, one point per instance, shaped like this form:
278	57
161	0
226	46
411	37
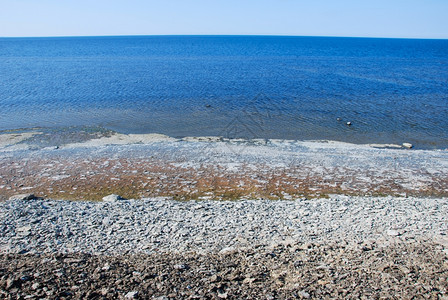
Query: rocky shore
142	166
160	225
401	270
306	219
343	247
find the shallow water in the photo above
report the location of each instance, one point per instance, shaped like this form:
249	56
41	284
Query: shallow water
391	90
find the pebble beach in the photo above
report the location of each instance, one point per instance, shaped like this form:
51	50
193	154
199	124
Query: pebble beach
209	218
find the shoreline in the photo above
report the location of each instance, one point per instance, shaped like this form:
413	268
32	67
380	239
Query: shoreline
91	136
314	229
152	165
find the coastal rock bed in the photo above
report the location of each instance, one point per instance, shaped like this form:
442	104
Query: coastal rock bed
343	247
209	168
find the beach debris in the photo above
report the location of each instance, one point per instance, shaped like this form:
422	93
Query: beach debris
23	197
349	123
408	145
112	198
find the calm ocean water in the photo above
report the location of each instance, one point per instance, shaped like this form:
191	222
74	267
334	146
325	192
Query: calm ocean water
391	90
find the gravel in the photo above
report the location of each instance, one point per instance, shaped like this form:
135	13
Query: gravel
342	247
156	248
290	271
161	225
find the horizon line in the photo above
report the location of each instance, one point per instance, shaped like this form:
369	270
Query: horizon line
222	35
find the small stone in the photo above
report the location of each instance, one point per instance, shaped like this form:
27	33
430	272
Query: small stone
227	250
10	283
306	246
131	295
366	248
304	294
35	285
249	280
408	145
23	197
106	221
392	232
180	267
112	198
24	230
25	278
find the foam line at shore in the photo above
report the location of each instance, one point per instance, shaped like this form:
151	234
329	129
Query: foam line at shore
25	141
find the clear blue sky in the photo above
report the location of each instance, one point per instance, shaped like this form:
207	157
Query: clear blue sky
372	18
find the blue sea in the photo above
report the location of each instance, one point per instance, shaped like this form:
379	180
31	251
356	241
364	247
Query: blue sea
302	88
